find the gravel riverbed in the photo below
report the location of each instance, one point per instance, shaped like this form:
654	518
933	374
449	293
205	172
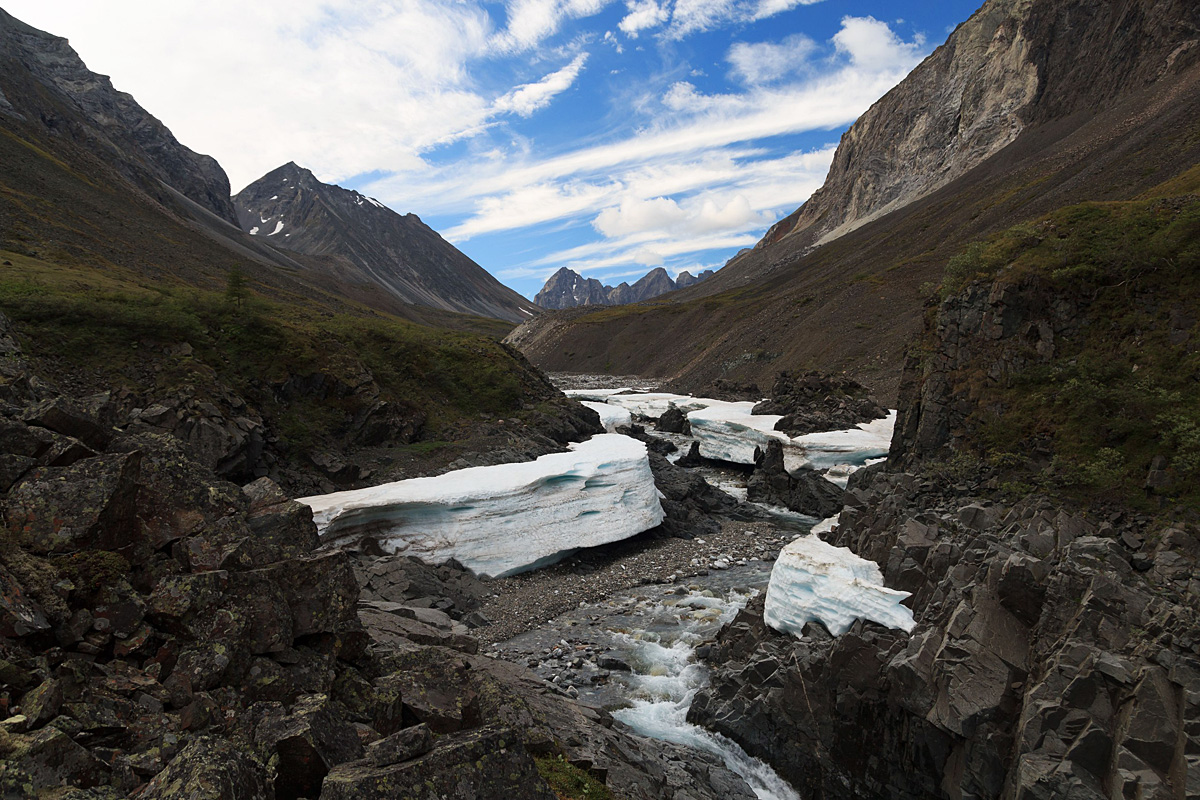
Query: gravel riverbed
523	602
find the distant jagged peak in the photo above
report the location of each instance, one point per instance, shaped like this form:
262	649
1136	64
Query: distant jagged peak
568	289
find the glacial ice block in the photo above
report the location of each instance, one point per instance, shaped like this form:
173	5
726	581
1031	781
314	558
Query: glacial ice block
729	432
855	446
503	519
610	416
815	581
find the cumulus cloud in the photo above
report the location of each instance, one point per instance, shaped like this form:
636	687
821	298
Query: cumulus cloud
873	45
642	14
526	99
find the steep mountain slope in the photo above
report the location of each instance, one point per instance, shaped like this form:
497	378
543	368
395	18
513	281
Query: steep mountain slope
1115	111
568	289
38	66
398	253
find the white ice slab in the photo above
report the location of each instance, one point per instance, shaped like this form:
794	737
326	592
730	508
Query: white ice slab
868	440
595	395
815	581
655	404
729	432
610	416
503	519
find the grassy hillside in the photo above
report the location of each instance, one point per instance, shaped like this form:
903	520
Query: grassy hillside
310	373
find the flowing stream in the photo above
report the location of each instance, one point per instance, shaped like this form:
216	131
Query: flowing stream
636	655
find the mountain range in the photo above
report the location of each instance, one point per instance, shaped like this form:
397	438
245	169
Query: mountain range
92	175
568	289
1026	108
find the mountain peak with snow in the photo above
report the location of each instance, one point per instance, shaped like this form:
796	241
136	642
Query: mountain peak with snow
372	244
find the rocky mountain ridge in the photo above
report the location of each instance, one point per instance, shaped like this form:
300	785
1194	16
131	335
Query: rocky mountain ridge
120	130
568	289
1001	71
397	253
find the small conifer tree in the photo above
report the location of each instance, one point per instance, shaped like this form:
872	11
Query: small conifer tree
236	289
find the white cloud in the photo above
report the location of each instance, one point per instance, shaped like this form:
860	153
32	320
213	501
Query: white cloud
764	62
872	45
532	21
643	14
697	16
524	100
769	8
693	16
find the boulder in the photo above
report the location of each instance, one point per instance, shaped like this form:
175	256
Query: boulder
210	769
401	746
304	744
480	765
90	505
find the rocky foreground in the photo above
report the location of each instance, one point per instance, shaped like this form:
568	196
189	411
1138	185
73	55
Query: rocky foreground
167	634
1057	646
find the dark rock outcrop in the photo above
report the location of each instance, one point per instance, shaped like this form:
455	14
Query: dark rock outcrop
812	402
1037	648
805	491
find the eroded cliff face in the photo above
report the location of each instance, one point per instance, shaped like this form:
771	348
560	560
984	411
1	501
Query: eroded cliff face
1012	65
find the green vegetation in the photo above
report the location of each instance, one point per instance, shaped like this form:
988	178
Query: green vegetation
118	331
1124	388
570	782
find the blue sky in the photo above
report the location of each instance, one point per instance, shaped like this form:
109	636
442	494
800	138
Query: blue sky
609	136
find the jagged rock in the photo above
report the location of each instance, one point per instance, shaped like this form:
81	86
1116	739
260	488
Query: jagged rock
674	421
690	503
90	505
812	402
62	416
304	744
401	746
389	627
42	703
210	769
46	759
804	491
20	614
282	528
478	765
